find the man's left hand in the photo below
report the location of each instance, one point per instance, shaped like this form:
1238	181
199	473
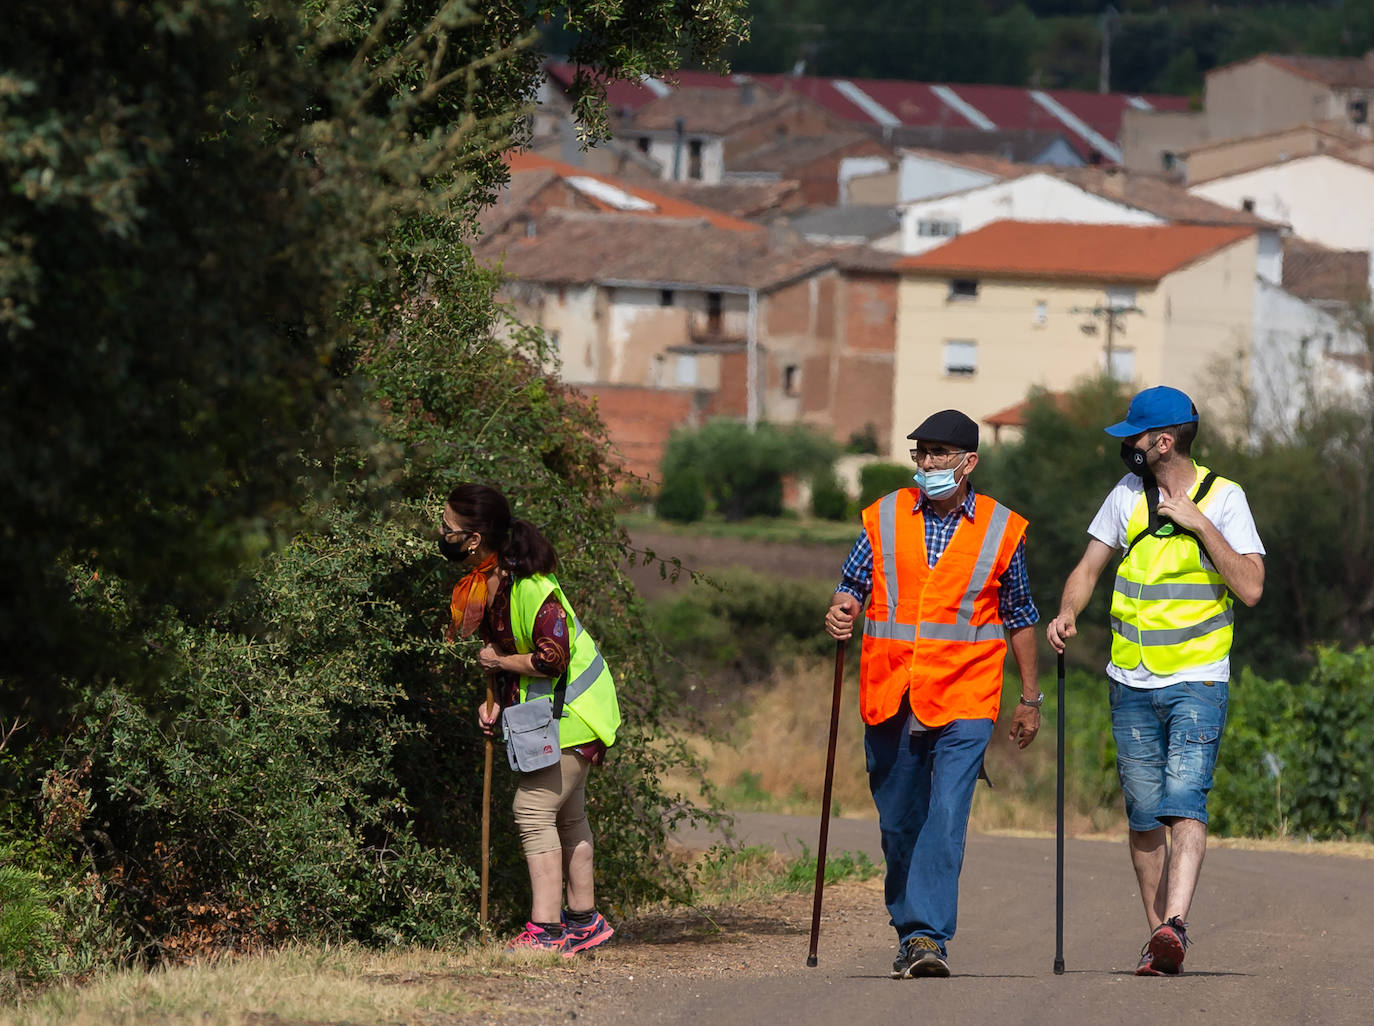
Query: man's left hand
1025	724
1182	511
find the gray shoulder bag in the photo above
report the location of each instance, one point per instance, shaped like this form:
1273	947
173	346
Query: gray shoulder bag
531	730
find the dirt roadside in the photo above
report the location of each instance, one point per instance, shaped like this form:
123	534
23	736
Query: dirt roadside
1279	937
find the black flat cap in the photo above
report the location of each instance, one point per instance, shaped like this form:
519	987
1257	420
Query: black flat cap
949	427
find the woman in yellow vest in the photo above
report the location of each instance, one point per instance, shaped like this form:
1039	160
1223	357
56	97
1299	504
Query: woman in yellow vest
544	661
1189	545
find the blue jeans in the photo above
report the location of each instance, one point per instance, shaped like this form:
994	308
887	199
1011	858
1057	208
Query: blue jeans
922	784
1166	748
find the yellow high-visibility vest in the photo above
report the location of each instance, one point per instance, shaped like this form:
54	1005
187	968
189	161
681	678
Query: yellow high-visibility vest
1171	609
590	709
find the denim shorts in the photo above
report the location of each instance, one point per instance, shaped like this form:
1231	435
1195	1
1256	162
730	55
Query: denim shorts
1166	748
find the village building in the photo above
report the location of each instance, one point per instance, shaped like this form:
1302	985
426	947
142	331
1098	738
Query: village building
1047	125
1327	198
1251	99
1021	304
666	313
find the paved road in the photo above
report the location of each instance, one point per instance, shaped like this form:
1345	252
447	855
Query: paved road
1278	938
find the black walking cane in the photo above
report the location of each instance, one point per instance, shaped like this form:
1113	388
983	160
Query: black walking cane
825	804
1059	829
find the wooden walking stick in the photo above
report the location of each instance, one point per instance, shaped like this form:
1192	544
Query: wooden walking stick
1059	829
486	806
825	804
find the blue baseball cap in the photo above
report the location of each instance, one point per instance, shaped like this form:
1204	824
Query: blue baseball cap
1156	407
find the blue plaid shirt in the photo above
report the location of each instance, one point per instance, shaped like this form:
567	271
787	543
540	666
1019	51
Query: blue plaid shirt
1014	600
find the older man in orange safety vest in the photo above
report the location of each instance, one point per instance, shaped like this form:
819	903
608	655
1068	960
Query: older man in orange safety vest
945	569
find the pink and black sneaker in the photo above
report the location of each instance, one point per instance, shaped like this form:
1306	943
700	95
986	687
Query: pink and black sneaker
536	938
584	937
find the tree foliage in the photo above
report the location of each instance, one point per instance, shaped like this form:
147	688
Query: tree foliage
247	353
749	481
1045	43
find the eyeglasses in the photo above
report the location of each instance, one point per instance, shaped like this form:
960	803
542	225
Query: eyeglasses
452	536
942	457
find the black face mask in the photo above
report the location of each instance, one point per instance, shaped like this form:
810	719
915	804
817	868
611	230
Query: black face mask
1135	460
452	550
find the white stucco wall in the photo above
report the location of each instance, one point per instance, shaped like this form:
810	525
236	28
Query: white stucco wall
1324	199
662	146
1036	197
858	167
922	177
570	311
640	329
1290	370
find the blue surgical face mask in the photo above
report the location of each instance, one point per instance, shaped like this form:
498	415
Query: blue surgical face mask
939	484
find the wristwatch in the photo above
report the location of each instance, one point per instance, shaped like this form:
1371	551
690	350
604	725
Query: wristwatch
1039	701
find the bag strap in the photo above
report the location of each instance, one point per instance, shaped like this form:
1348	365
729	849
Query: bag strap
1156	523
560	690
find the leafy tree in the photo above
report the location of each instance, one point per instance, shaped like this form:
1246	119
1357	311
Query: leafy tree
246	229
1056	476
197	186
748	482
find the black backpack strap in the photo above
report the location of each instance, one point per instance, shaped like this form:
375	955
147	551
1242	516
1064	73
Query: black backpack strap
1156	522
1152	506
559	690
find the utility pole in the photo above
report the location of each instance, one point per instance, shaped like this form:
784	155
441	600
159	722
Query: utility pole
1106	22
1111	312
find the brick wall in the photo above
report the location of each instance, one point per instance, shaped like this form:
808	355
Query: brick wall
864	368
870	314
639	420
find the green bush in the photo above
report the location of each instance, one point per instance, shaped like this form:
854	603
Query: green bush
1294	759
742	469
29	927
877	479
863	441
828	498
1333	793
739	630
682	498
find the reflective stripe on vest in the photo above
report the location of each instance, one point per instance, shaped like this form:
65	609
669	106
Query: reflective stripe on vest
962	629
542	687
933	637
590	707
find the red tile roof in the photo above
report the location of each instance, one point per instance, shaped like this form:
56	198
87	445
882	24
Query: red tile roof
582	248
1314	272
1073	252
1015	415
663	204
1336	72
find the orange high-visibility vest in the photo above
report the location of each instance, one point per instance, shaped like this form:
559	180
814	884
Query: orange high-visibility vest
935	633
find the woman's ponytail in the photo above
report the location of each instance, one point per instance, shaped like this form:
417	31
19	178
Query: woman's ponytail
526	551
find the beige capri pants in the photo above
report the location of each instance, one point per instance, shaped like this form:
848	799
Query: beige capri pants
551	805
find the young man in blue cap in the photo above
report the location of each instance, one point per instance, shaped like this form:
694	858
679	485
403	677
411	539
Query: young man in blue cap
1190	545
945	569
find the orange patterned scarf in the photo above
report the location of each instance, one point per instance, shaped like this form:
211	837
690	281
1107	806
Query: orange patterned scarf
469	600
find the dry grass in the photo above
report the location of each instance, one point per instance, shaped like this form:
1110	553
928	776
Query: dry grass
297	984
774	761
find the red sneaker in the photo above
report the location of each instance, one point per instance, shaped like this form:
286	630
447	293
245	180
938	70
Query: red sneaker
1166	947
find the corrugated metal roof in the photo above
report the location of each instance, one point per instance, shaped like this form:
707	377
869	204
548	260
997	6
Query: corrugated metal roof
1087	120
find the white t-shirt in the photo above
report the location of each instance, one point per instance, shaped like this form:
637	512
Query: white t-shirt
1227	510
